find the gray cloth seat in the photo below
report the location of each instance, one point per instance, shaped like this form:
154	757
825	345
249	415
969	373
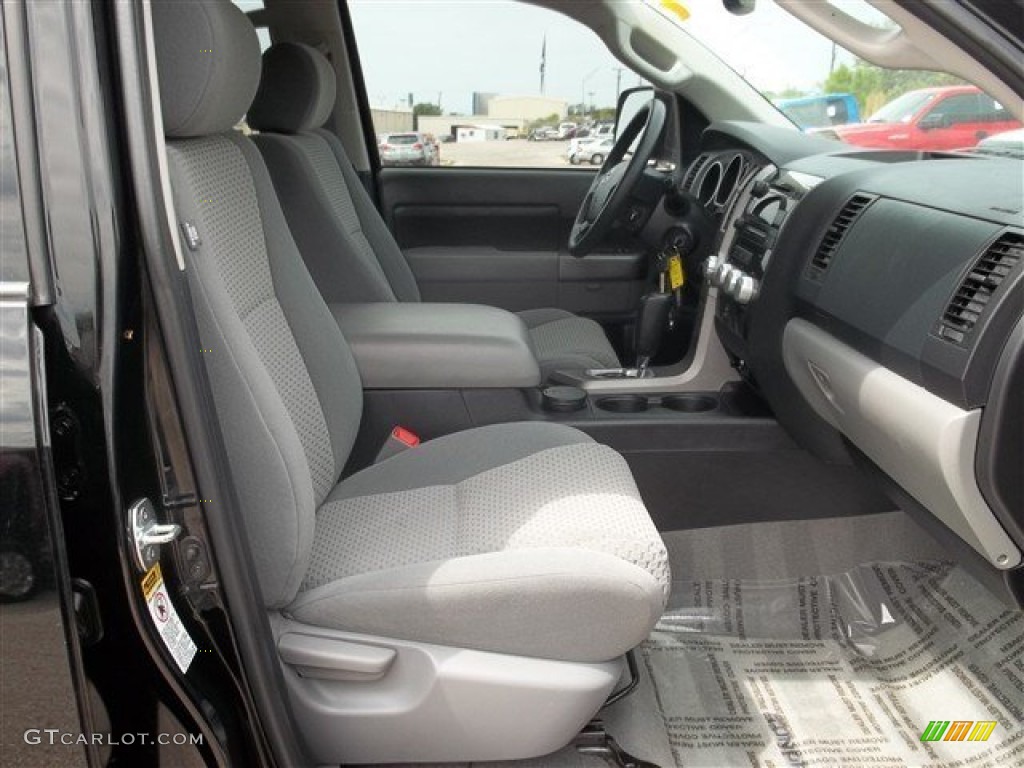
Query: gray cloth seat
348	249
527	539
478	535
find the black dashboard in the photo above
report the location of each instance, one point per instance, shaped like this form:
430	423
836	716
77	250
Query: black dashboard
874	299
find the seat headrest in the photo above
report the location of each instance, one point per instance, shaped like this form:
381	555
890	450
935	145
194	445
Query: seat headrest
208	60
297	90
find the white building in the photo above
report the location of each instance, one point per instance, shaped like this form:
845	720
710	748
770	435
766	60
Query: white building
391	120
510	113
526	108
480	133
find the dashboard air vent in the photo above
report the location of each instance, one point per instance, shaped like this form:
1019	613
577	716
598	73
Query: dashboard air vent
836	232
694	171
976	289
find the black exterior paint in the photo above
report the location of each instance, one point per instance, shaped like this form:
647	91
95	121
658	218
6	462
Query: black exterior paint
84	348
80	653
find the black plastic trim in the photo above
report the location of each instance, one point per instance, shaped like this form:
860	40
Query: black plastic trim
25	149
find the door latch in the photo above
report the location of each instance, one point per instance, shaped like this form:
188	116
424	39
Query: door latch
148	535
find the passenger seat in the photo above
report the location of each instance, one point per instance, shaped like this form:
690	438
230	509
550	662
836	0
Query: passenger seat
349	251
469	599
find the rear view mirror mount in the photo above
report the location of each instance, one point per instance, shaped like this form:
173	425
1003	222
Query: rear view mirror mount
740	7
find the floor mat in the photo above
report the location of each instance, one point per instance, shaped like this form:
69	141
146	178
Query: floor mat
841	670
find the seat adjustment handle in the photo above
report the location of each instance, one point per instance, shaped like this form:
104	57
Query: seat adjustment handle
332	659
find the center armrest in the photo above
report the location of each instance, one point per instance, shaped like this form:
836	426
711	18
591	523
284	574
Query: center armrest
438	346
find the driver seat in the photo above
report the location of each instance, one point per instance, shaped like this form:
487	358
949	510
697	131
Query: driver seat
348	249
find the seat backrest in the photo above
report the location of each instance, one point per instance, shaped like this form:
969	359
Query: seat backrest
285	385
347	247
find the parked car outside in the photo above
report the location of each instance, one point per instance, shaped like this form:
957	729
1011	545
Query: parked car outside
575	145
945	118
431	143
821	111
1006	144
589	135
594	153
544	133
406	149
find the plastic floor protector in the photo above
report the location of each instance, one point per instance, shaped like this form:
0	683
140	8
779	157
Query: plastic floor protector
846	670
886	665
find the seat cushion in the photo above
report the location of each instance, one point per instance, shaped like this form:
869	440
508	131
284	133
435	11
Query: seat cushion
563	341
527	539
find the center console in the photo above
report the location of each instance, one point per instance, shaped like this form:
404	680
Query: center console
738	270
435	369
437	346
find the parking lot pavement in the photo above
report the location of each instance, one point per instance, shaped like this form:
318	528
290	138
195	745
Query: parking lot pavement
506	154
35	684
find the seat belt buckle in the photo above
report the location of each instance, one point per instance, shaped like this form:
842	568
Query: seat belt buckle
399	440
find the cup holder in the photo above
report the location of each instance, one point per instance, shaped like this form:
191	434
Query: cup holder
623	404
689	403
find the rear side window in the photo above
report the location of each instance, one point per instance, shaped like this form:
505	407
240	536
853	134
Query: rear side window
485	84
253	9
992	110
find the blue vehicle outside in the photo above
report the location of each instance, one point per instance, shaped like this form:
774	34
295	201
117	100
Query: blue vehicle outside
822	111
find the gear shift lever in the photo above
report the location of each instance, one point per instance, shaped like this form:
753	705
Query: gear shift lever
650	327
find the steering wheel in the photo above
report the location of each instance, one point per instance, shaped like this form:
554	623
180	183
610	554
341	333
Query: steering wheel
615	182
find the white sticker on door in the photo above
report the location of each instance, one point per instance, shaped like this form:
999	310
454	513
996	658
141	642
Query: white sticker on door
166	619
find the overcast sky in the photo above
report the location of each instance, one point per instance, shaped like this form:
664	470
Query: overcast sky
456	47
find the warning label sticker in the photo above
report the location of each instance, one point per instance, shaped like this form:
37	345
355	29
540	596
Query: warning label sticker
166	619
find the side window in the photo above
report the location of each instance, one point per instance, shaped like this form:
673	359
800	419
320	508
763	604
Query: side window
961	108
484	84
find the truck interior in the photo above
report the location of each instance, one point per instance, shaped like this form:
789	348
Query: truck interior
489	480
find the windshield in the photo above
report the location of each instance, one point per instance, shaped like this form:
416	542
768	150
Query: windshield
902	108
823	88
513	83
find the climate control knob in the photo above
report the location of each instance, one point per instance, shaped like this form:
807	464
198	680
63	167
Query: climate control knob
746	290
732	283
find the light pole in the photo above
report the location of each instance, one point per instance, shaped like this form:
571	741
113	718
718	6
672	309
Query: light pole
583	89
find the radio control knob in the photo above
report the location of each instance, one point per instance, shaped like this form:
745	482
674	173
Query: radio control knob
746	290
